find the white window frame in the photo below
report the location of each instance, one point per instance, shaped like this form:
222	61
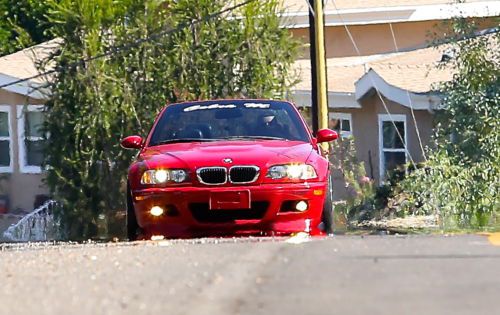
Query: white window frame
381	119
23	158
10	168
342	116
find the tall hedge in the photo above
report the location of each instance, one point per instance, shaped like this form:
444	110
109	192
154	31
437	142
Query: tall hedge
96	103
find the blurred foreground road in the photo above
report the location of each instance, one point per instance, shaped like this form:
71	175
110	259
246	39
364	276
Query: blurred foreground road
338	275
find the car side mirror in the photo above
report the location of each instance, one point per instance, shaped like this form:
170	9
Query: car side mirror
132	142
326	135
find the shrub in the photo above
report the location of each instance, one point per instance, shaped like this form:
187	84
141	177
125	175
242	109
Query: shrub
359	188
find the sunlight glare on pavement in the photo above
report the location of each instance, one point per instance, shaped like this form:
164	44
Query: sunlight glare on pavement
299	238
494	239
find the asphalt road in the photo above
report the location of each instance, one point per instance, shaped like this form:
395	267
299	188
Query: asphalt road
337	275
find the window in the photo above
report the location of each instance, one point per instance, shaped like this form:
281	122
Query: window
212	120
31	139
6	147
391	146
342	123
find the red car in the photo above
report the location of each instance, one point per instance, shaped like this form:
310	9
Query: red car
228	167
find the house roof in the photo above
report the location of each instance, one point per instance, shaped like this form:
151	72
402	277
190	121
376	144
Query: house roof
408	78
415	71
21	65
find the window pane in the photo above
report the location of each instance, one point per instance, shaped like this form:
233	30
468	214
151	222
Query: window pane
393	160
229	118
390	136
34	123
34	152
346	125
4	153
4	124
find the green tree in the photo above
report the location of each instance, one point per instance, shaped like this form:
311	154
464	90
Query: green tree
23	23
95	104
461	180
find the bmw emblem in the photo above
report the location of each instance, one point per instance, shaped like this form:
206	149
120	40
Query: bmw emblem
227	160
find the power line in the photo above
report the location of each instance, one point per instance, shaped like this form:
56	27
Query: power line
409	99
115	50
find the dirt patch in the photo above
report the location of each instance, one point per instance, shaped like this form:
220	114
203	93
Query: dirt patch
407	223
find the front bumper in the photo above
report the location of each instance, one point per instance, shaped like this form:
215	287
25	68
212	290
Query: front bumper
187	212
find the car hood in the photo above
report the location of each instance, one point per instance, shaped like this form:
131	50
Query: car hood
201	154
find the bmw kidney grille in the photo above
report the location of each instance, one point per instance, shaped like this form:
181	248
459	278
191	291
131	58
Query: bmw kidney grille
243	174
220	176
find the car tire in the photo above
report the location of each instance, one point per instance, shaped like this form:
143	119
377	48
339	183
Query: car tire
132	226
327	214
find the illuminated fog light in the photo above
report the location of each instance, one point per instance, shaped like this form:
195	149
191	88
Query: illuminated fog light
301	206
161	176
156	211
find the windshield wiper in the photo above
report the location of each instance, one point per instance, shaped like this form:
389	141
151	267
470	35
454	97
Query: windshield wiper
253	138
183	140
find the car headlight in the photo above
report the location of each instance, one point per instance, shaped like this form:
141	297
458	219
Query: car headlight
292	171
154	177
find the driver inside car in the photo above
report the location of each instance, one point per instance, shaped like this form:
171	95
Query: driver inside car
268	125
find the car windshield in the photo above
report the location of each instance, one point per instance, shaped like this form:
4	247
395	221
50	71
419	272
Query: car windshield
229	120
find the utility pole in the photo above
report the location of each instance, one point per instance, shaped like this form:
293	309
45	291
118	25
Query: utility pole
318	66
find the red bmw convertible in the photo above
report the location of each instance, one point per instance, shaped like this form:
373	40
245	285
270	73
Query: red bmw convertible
229	167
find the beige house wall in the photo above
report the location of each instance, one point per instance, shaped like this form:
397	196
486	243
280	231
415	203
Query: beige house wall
20	188
366	130
377	38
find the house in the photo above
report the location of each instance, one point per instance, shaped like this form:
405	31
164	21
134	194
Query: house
382	77
21	113
378	83
376	93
